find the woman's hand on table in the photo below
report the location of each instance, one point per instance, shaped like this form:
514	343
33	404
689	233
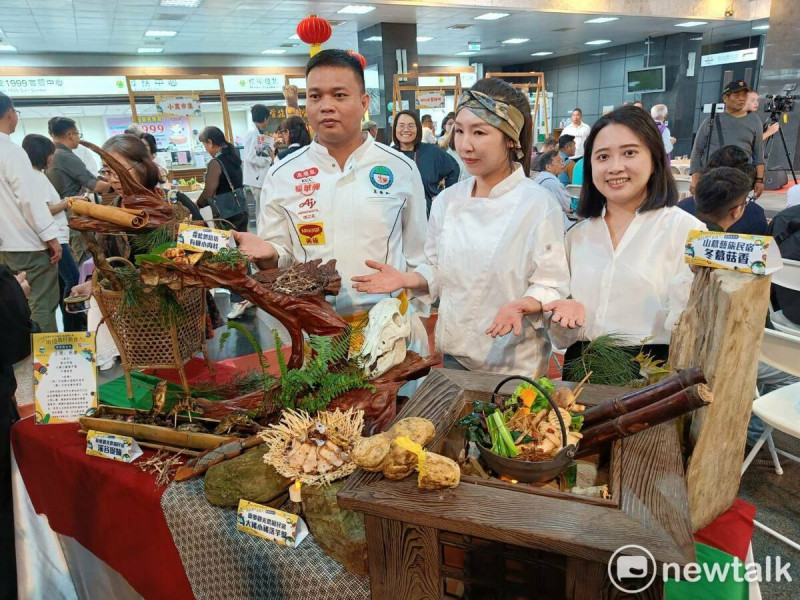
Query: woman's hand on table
569	314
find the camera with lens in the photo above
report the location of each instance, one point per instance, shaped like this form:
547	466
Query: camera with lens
781	103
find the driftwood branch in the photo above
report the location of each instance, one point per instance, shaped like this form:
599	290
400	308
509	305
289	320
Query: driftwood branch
134	196
307	312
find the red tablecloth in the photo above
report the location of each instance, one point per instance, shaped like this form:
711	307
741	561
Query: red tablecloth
113	509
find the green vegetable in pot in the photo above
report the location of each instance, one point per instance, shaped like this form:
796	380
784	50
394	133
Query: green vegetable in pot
502	442
576	423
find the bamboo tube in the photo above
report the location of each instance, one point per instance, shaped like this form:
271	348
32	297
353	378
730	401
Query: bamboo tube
659	412
644	397
109	214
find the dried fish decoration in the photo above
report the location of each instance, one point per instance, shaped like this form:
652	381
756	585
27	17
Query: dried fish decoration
314	450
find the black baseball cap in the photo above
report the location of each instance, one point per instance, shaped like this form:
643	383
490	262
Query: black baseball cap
736	85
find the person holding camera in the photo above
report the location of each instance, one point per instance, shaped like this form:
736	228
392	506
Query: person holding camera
736	127
770	128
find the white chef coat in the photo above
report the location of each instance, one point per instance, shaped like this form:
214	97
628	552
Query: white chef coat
485	252
581	132
25	220
45	190
640	289
256	157
373	209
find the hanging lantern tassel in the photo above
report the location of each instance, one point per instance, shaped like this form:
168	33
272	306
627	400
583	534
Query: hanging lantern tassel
315	31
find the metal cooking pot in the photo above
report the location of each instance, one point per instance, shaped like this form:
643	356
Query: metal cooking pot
530	471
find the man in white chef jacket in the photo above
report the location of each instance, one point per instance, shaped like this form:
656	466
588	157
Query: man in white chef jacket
344	197
259	151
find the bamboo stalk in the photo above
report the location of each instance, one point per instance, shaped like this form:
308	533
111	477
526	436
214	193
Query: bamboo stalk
659	412
644	397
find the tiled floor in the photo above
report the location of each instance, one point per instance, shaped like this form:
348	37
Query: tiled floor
777	499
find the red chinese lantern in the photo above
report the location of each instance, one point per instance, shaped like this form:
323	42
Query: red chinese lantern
315	31
360	58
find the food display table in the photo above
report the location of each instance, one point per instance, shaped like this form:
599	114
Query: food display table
490	538
95	528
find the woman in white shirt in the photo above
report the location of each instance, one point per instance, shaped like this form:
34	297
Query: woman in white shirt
494	251
40	150
628	274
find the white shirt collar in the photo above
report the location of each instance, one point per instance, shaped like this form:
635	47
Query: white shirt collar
546	175
357	154
509	183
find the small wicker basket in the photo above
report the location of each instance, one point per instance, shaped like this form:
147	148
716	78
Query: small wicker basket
145	341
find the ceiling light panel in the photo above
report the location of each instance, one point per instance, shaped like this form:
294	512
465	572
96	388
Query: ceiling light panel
491	16
600	20
691	24
160	33
150	50
542	53
598	42
355	9
515	41
182	3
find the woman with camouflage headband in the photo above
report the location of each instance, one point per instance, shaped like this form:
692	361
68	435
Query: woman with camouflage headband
495	244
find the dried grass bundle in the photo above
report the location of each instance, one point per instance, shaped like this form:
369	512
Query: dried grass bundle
299	431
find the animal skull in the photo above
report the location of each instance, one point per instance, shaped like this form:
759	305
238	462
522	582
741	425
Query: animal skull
384	338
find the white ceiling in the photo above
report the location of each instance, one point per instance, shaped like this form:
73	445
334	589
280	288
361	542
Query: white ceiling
251	26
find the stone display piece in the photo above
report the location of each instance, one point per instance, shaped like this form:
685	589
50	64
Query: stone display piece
340	533
245	476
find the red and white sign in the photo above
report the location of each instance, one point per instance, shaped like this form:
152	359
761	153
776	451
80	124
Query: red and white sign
430	100
307	173
178	106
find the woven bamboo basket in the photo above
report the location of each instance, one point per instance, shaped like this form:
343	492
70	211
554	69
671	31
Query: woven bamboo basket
145	341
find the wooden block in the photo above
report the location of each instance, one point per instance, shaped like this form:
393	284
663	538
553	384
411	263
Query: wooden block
720	331
403	560
588	580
